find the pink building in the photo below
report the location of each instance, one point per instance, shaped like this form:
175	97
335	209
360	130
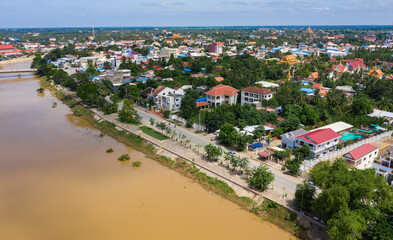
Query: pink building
216	47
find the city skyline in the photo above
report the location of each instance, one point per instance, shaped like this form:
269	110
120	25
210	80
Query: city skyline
186	13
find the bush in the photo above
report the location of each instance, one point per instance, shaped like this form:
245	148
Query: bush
136	164
124	157
166	114
273	204
110	150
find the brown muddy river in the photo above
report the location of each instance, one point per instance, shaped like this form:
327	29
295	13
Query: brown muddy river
57	182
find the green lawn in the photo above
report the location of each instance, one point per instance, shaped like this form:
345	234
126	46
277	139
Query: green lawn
134	122
153	133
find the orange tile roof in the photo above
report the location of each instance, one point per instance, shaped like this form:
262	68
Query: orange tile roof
158	90
219	79
222	90
202	104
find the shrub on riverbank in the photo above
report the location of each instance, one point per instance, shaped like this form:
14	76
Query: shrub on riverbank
110	150
136	164
124	157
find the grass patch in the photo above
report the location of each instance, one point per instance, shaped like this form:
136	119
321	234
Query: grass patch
153	133
132	122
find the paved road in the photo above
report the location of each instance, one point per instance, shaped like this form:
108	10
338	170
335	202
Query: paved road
285	182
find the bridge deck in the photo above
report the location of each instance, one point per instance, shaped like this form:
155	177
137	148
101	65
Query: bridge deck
18	71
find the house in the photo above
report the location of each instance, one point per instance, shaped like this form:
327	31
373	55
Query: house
317	86
147	92
376	73
288	139
383	166
254	94
320	141
362	157
219	79
167	52
338	69
313	76
9	50
222	94
356	65
383	114
168	98
338	127
266	84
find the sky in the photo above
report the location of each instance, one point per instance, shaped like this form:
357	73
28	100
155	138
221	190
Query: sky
156	13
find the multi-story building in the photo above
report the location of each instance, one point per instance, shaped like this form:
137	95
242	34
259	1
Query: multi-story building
216	47
288	140
362	157
167	52
254	94
384	166
168	98
320	141
222	94
8	50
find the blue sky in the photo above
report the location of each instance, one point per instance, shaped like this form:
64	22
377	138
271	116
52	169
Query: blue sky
131	13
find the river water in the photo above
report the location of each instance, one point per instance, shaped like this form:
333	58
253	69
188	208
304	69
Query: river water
57	182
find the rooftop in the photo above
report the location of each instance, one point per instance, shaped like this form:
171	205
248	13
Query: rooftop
361	151
222	90
257	90
320	136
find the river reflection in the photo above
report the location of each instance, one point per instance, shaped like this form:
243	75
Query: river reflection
58	182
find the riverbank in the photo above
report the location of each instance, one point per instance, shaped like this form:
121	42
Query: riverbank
16	60
269	212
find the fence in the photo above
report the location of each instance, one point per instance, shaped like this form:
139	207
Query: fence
308	164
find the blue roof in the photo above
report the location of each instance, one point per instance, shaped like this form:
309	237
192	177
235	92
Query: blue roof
182	55
204	99
141	80
187	70
203	69
307	90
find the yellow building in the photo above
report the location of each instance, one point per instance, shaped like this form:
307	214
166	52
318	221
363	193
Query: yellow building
376	73
289	59
309	31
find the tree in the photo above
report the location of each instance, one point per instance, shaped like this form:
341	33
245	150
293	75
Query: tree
290	123
277	132
261	177
228	134
302	153
167	113
293	167
188	107
128	114
362	105
259	131
88	90
213	152
346	224
305	196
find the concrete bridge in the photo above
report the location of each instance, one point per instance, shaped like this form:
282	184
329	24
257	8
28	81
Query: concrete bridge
19	71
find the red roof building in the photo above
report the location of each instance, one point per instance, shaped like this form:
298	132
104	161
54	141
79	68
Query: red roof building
320	141
222	94
362	157
9	50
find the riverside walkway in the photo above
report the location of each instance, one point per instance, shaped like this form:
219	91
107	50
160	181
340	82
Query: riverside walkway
238	183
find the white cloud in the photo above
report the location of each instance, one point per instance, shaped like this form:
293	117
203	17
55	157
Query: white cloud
322	8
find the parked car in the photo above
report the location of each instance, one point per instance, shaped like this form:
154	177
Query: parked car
233	153
312	184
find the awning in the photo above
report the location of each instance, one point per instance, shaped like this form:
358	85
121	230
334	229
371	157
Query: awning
264	154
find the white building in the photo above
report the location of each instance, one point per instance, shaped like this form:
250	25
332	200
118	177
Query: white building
320	141
338	127
168	98
362	157
384	166
221	95
288	140
254	94
167	52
